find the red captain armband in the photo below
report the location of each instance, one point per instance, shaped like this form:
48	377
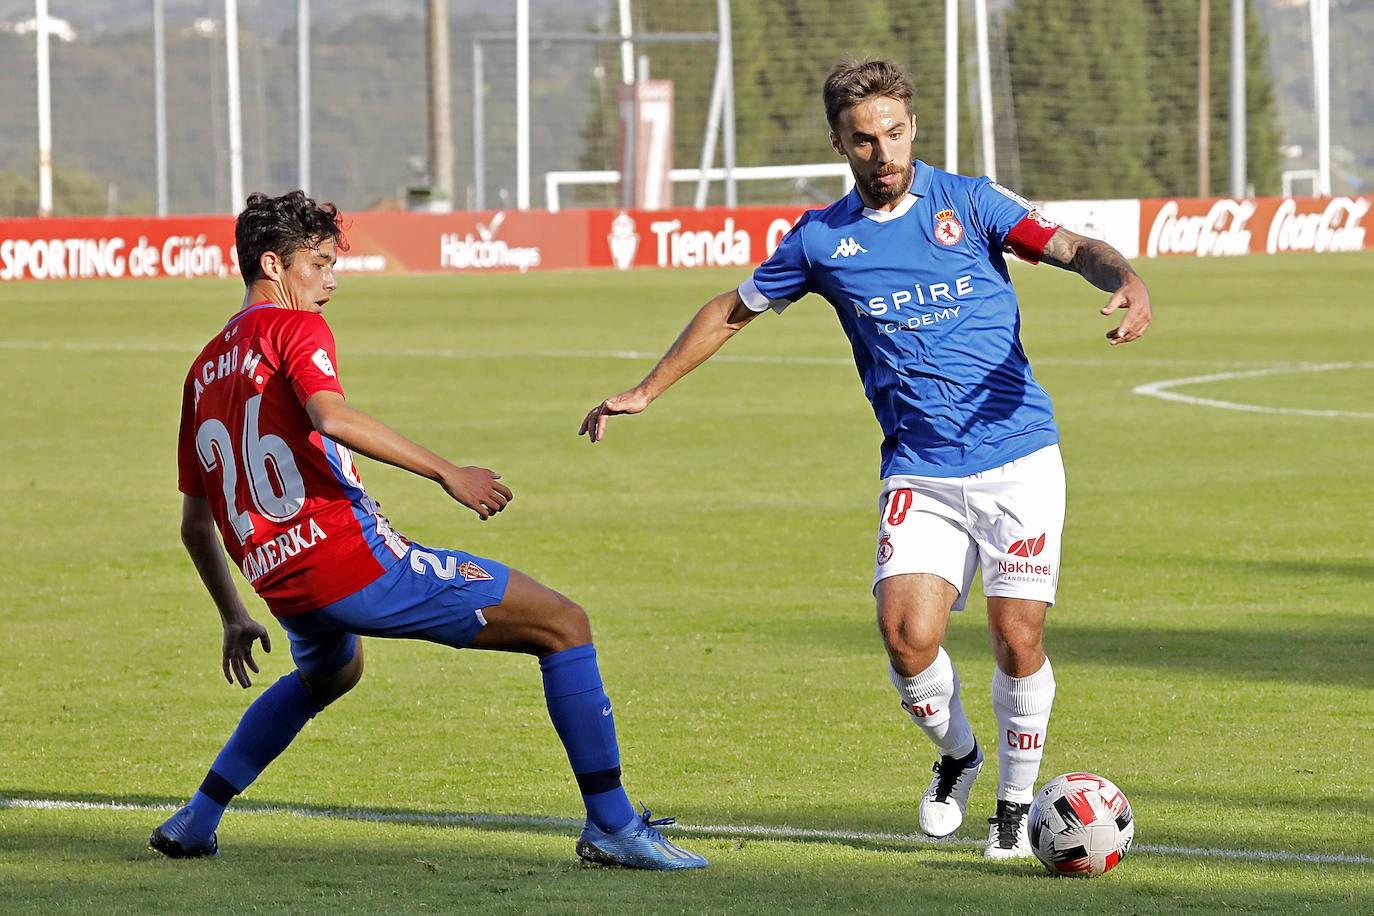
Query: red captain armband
1028	238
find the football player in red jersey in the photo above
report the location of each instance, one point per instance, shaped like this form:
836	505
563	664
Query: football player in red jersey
265	467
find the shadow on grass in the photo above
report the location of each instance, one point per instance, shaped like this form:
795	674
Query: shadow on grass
1356	569
96	869
1330	650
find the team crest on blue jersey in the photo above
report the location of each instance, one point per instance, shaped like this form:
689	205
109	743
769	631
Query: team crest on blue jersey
472	572
948	230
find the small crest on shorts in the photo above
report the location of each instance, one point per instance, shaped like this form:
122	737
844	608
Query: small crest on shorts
884	550
472	572
948	229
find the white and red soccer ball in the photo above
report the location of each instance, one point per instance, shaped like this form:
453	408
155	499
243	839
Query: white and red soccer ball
1080	825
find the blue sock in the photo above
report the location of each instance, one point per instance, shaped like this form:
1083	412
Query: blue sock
267	727
581	714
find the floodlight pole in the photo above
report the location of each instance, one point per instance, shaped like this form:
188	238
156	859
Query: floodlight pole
980	22
440	107
522	104
479	129
721	108
160	105
627	47
1204	98
625	111
40	9
1320	11
951	85
1238	113
231	53
708	142
303	93
727	57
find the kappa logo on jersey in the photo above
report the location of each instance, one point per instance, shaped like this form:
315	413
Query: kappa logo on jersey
1027	547
847	248
472	572
321	359
948	230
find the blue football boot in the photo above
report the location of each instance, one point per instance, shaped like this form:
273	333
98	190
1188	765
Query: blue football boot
636	845
174	840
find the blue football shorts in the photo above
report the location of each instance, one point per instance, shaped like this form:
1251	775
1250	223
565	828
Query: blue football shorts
432	594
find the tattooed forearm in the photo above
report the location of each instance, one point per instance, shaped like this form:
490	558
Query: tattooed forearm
1099	263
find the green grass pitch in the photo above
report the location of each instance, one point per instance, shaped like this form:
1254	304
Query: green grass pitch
1213	640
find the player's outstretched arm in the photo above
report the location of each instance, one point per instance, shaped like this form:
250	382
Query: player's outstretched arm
477	488
716	322
201	539
1107	269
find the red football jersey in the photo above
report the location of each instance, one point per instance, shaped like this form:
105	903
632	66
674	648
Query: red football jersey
288	501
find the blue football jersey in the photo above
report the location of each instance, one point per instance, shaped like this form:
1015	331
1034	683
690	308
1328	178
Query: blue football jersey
923	294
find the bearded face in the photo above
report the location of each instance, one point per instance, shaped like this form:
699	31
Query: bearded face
890	183
876	137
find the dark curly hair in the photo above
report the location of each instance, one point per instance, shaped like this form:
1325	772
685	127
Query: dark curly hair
854	81
285	225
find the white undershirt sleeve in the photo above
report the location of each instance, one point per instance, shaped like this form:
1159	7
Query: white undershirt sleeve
757	301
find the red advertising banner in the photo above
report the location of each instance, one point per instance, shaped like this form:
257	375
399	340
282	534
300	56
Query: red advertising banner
684	237
59	249
1258	225
468	242
520	241
395	243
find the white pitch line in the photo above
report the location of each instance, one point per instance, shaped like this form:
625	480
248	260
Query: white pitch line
759	830
1162	390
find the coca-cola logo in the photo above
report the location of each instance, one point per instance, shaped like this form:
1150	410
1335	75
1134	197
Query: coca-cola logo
1220	232
1336	228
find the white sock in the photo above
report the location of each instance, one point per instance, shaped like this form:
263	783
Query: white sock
1022	705
932	700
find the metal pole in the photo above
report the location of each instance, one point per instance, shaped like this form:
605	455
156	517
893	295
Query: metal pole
980	22
40	8
627	47
713	118
1321	83
479	130
231	52
522	104
951	85
440	105
1204	96
303	92
1238	113
628	112
160	105
728	153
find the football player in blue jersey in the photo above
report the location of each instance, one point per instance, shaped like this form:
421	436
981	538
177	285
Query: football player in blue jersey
913	260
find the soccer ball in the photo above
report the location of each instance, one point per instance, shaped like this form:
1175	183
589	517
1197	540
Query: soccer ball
1080	825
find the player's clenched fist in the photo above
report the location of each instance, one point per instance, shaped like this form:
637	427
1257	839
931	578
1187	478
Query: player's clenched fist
478	489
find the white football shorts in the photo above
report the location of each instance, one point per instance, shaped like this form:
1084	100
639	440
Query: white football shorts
1009	520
